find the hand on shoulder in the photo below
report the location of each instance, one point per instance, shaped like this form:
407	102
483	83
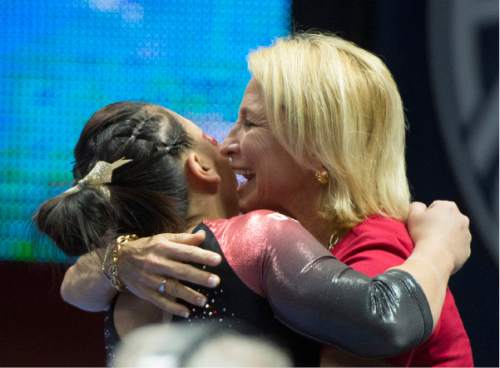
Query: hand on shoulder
440	231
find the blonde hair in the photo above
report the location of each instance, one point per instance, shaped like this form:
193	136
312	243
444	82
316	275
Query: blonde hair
329	100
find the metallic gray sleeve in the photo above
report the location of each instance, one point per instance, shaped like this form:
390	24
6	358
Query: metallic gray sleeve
316	295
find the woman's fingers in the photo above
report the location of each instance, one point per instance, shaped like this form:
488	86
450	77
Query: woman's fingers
148	288
185	293
185	272
146	262
417	208
167	305
441	231
159	255
171	288
184	238
186	253
184	247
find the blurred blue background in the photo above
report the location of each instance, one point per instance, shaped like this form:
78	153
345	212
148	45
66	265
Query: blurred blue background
62	60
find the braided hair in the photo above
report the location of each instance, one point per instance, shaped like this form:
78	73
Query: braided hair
148	195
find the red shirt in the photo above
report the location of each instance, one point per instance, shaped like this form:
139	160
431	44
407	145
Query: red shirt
379	243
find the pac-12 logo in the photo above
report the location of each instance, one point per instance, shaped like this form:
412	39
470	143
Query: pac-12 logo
463	49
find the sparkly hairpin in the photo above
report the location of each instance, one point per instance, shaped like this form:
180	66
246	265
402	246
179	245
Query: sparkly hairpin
101	173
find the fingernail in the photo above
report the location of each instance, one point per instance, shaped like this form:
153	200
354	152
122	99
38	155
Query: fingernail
185	314
213	280
215	258
201	301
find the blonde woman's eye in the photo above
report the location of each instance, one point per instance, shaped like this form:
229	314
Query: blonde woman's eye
249	124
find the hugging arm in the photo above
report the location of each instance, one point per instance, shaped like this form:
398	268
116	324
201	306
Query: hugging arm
85	286
440	233
142	265
313	293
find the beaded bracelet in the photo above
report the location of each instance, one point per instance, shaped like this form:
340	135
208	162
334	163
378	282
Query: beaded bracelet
110	262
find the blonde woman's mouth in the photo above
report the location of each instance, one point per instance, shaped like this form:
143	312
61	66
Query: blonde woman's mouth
244	177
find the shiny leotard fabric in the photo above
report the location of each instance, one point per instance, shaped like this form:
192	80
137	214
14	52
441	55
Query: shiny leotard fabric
234	305
379	243
273	270
310	291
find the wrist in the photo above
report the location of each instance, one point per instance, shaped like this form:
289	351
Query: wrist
111	260
435	256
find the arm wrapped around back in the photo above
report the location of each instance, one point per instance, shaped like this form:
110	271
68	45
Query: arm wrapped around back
312	292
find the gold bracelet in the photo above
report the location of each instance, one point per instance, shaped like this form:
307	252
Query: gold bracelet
110	263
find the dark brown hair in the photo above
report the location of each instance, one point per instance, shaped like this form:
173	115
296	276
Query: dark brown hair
148	194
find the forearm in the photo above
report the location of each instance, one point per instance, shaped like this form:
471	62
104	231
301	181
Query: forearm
85	286
432	272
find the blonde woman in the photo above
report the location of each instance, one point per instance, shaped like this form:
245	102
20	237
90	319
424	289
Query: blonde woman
322	125
320	138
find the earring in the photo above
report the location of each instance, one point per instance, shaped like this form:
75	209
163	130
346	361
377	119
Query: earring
322	176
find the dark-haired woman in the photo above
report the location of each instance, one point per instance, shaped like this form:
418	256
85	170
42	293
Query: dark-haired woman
141	169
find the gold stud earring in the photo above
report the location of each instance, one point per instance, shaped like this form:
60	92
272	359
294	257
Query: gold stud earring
322	176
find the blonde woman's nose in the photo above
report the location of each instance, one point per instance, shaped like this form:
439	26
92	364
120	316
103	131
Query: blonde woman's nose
229	147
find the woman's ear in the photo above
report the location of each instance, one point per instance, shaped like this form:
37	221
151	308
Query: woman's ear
202	174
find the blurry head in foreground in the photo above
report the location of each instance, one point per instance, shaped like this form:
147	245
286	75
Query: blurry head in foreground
196	345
